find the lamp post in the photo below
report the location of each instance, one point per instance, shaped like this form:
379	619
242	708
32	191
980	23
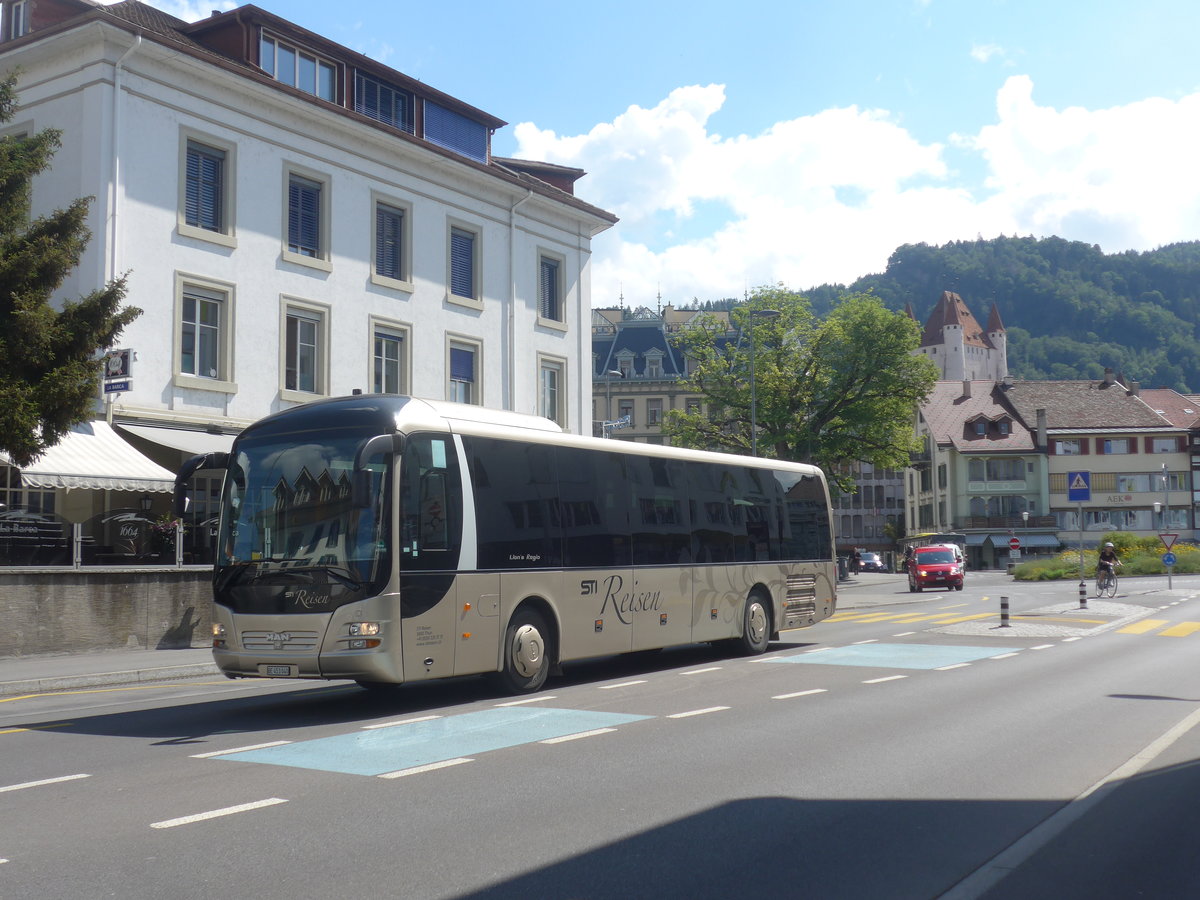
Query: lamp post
1166	515
756	314
608	377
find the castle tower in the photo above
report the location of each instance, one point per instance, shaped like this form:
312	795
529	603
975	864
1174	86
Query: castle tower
959	347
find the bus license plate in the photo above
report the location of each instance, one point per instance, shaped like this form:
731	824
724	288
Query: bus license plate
278	671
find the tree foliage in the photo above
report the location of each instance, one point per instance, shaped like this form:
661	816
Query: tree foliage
49	366
827	390
1070	309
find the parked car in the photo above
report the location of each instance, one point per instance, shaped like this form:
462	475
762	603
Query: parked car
936	565
872	562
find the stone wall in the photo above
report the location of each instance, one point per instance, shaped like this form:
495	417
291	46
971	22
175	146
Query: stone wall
74	610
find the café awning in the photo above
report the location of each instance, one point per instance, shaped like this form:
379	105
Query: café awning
194	442
92	456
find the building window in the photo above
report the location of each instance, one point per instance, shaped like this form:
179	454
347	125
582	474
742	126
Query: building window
463	382
550	378
204	201
692	406
1164	445
304	355
200	350
654	367
1004	427
654	408
1069	447
625	410
981	427
203	334
14	496
389	363
298	68
383	102
391	260
464	249
549	289
304	217
1116	445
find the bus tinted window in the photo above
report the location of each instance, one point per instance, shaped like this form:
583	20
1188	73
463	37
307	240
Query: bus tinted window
516	503
662	530
594	498
805	526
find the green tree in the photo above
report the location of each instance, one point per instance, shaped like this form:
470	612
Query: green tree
49	364
828	391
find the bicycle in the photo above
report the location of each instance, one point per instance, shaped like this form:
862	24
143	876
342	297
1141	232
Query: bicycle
1106	583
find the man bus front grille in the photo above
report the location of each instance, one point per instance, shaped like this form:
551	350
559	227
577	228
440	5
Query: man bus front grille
279	640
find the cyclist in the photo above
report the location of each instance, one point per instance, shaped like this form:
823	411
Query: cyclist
1108	562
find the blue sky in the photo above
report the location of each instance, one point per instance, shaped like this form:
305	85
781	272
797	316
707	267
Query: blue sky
801	142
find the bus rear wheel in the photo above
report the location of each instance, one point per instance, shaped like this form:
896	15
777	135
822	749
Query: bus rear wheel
527	653
756	626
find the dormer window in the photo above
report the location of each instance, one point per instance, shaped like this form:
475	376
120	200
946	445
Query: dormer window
980	427
1004	426
383	102
16	19
297	67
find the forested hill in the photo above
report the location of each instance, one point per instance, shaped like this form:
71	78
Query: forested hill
1070	309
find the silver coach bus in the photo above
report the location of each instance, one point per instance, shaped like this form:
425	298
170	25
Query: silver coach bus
388	539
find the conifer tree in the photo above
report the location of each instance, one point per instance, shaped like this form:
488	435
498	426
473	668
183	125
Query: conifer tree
50	363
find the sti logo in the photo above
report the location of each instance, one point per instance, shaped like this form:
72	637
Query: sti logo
588	587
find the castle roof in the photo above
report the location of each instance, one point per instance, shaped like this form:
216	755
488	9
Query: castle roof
951	310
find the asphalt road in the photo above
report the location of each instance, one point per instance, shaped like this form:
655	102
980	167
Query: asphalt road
911	747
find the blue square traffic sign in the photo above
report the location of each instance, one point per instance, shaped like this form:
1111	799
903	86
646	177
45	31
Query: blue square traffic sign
1079	487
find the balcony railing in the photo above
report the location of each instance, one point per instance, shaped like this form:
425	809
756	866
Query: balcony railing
1010	522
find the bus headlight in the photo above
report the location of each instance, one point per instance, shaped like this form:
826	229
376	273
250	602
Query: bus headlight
218	634
365	629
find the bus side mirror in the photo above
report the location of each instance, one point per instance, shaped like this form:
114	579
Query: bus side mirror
215	460
360	480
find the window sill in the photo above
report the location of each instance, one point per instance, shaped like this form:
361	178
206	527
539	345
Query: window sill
300	396
469	302
552	323
211	237
311	262
394	284
195	383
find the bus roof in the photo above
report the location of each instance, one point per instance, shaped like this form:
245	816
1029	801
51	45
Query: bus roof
408	415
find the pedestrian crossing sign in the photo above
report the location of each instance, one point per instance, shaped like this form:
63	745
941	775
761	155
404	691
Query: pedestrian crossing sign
1079	487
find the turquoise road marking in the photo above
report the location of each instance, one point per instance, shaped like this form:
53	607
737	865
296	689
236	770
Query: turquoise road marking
420	743
896	656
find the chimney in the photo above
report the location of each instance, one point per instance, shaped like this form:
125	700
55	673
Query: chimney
1135	388
966	388
1109	378
1041	429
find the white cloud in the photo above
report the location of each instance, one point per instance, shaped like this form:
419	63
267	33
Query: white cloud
828	197
985	52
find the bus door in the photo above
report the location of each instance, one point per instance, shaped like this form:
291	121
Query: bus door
430	542
659	599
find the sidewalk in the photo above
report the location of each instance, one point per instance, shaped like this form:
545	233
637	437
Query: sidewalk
74	671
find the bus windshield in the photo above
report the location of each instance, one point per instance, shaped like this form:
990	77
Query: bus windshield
289	509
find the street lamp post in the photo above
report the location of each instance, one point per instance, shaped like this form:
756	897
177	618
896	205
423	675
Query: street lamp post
1166	519
608	424
756	314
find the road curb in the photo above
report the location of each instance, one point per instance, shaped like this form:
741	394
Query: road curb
105	679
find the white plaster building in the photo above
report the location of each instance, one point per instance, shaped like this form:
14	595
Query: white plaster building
298	221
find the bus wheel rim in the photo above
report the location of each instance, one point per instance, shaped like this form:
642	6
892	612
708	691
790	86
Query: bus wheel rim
527	651
756	621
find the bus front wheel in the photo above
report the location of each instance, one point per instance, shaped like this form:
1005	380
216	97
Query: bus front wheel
526	653
756	626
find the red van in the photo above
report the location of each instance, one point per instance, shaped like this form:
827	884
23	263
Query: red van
936	565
